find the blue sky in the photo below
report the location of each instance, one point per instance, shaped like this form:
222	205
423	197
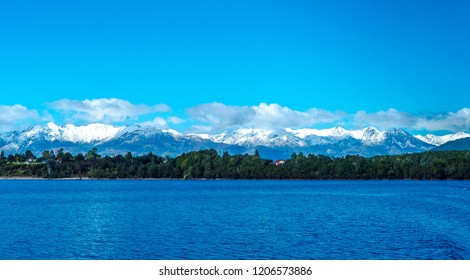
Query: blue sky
210	65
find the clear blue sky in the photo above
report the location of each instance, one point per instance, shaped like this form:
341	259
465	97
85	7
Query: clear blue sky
387	58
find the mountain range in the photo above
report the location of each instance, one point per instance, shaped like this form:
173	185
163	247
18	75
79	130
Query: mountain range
274	144
457	145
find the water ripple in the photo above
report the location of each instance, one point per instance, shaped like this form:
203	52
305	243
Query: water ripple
234	220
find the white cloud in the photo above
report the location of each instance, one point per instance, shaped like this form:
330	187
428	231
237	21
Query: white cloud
214	117
221	116
175	120
201	129
385	119
156	122
458	121
277	116
17	116
160	122
106	110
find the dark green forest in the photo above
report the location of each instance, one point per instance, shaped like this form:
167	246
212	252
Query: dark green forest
208	164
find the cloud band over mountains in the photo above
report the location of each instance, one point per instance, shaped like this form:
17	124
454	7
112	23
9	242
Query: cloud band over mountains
221	116
218	116
16	115
451	121
107	110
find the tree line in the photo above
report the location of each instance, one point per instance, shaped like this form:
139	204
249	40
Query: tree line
208	164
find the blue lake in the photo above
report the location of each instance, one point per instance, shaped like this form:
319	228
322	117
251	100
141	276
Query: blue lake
63	219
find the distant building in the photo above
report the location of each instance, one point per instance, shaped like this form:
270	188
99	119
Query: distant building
279	162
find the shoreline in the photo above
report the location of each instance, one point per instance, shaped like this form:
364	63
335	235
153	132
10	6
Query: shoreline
201	179
38	178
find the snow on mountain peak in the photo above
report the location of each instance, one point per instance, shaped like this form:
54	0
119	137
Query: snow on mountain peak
335	141
89	133
302	133
339	131
172	132
366	134
204	136
440	140
372	135
146	131
397	131
77	134
258	137
328	132
242	136
53	127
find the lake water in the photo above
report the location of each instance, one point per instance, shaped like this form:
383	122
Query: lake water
63	219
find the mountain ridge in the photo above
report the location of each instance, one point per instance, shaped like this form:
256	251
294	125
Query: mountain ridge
462	144
272	143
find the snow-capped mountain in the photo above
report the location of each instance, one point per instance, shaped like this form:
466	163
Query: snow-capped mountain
462	144
398	141
367	142
329	132
258	137
68	133
371	136
270	143
143	139
367	135
335	141
440	140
